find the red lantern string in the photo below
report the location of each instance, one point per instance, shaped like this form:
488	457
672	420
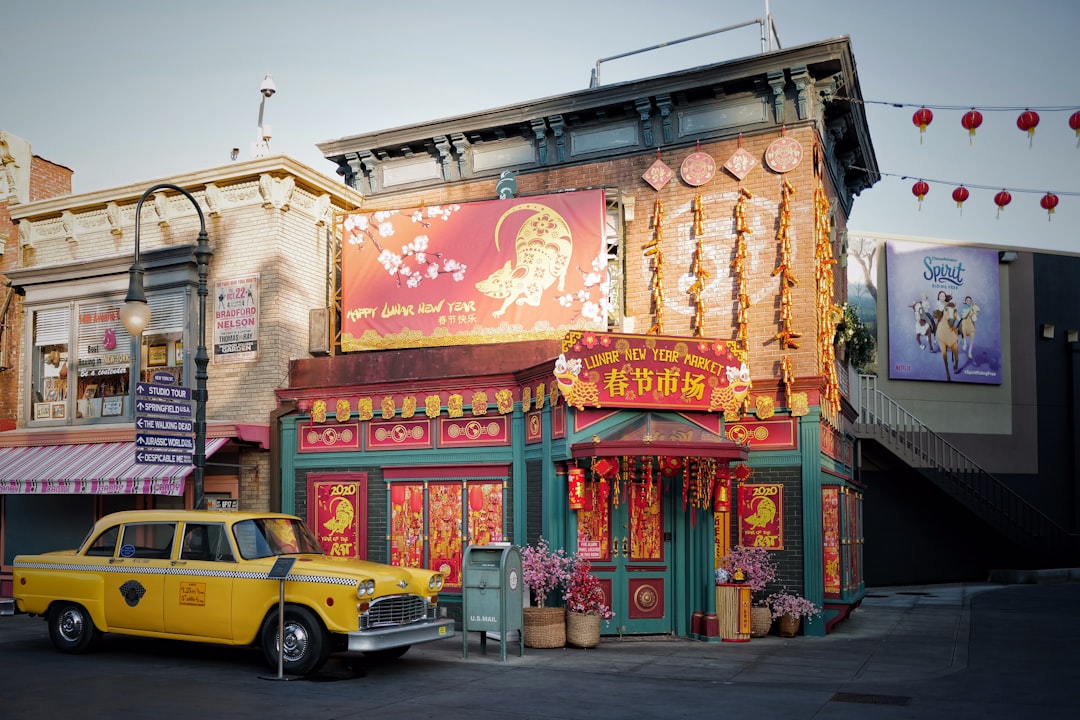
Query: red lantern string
960	194
1074	123
971	121
1048	203
1028	121
922	118
919	190
1002	199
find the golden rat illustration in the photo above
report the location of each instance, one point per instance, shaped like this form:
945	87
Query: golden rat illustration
542	249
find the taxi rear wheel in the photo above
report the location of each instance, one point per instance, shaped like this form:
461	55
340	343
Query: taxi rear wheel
71	628
306	644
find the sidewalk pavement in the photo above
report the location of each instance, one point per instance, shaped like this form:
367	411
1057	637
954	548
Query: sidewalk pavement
983	651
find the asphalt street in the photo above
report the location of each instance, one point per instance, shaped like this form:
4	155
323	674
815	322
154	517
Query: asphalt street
983	651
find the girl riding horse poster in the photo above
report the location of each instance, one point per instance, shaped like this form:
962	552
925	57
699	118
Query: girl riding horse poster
944	313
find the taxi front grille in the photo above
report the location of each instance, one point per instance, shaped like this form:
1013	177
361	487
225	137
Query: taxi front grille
394	610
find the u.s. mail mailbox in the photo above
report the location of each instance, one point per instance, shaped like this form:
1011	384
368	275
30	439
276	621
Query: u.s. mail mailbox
491	598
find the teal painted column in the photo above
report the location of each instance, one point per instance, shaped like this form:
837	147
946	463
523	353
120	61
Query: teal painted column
288	467
520	479
554	493
813	572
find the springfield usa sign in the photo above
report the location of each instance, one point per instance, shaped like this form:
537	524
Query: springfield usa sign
236	320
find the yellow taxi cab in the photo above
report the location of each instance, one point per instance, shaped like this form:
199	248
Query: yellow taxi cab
209	576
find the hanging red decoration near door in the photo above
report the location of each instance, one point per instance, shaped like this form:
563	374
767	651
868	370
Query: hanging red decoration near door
922	118
1048	203
919	190
606	468
1028	121
971	120
476	498
1002	199
1074	123
576	488
960	194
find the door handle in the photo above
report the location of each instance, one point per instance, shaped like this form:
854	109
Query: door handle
625	547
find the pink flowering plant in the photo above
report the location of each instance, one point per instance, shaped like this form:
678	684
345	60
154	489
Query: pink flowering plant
582	591
789	603
544	569
755	563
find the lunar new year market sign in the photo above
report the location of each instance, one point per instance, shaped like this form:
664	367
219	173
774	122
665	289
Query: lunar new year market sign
651	371
483	272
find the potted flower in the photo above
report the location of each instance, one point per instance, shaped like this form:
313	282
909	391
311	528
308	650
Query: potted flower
790	609
544	570
585	605
756	568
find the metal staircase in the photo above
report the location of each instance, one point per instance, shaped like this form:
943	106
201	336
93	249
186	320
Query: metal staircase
882	419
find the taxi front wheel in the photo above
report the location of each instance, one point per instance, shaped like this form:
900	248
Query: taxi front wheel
71	628
306	646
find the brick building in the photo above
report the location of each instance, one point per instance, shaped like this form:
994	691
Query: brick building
723	193
73	453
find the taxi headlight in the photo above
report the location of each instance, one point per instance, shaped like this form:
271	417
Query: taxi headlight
435	582
365	588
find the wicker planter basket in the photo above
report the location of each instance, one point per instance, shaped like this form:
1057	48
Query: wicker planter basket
789	625
582	629
544	627
760	621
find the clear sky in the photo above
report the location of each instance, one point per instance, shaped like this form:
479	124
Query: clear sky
130	92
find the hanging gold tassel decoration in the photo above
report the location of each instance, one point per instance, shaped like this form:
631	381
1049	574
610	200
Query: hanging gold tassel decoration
656	284
742	335
786	336
697	267
828	312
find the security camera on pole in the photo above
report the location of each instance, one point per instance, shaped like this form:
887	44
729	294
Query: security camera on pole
261	146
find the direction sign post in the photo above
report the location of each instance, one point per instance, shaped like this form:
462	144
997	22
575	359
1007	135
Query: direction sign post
162	418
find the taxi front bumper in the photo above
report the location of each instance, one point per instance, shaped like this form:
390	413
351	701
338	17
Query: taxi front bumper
391	637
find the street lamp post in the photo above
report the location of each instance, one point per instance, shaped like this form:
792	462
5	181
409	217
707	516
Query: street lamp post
135	315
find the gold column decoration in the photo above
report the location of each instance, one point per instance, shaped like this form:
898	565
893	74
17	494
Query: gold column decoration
787	376
742	229
656	284
828	311
786	336
697	267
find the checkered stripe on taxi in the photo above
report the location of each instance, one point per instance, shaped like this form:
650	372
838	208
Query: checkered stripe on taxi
152	570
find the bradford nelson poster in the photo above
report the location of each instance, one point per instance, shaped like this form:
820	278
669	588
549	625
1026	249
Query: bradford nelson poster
944	313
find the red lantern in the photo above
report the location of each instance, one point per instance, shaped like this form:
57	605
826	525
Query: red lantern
971	121
670	466
476	498
1028	121
606	468
576	488
1074	123
919	190
416	499
960	194
1002	199
922	118
1049	202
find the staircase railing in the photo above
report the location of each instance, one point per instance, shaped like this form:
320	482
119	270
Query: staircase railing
883	418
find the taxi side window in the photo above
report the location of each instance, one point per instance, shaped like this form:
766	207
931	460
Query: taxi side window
206	541
105	545
147	540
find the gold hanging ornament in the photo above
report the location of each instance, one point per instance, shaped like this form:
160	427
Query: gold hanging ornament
742	229
828	312
656	284
697	267
786	336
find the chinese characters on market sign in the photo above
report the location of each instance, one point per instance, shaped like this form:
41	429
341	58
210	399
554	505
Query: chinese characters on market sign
474	273
236	320
645	371
761	516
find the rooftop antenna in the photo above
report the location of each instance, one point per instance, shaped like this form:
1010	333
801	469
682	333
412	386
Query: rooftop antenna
261	146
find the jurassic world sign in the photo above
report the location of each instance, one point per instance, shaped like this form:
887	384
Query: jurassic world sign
483	272
651	371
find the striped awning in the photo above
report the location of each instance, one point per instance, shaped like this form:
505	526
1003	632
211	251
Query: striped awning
90	469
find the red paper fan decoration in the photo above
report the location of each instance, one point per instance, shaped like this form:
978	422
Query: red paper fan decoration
971	120
1028	121
922	118
1048	203
1002	199
1074	123
919	190
960	194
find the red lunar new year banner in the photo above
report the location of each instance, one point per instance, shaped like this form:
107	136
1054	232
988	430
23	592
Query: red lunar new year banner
336	515
482	272
643	371
761	516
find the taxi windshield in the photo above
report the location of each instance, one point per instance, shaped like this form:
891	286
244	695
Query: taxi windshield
266	537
